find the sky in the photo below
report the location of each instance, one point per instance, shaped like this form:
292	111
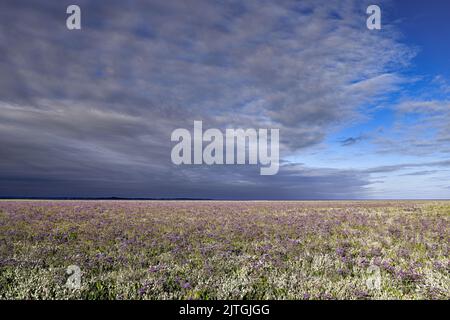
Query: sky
362	114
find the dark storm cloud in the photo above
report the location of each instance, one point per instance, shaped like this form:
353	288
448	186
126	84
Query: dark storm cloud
91	111
199	182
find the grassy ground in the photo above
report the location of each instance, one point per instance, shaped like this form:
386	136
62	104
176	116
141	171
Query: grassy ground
225	250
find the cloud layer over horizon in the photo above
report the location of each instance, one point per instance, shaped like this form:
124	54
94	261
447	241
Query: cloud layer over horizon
90	112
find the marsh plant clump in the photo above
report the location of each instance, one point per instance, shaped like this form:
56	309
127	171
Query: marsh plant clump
224	250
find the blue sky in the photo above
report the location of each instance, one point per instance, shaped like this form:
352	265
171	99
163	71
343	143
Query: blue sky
363	114
424	25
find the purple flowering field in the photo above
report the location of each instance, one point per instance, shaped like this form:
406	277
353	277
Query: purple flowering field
225	250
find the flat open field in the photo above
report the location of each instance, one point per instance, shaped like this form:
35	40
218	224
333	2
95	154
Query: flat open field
225	250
